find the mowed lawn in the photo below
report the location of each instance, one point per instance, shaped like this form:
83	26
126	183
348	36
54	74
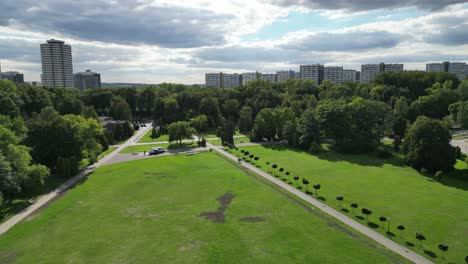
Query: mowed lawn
387	188
147	137
148	211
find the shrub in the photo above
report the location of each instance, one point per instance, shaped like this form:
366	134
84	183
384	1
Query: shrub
242	151
383	153
267	163
256	158
251	156
281	169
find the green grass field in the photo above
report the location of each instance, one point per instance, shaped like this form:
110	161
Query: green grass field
12	207
438	210
147	138
148	211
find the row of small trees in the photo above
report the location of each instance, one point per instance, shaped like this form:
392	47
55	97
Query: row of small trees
365	211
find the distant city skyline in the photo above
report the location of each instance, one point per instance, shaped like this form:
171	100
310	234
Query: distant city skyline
179	41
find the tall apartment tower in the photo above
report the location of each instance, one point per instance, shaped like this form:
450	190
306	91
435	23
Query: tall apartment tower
312	72
57	66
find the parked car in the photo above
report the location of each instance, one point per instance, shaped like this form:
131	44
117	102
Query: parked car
156	151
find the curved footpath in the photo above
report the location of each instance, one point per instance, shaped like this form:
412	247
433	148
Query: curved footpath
44	199
384	241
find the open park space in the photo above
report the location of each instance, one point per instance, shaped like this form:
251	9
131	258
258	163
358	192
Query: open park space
386	187
183	209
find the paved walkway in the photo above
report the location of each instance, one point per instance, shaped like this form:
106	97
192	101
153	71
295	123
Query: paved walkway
384	241
44	199
461	143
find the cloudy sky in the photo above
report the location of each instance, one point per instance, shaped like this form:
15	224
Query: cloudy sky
154	41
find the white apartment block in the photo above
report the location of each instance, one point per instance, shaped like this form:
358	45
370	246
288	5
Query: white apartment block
333	74
312	72
282	76
57	65
369	71
213	79
393	67
436	67
460	69
268	77
231	80
350	75
249	76
223	80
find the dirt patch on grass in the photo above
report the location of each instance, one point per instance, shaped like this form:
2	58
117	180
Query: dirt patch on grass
138	212
8	257
218	216
252	219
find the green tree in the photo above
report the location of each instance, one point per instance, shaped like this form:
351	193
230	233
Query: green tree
231	108
171	110
226	131
308	130
180	130
200	123
435	104
89	112
10	102
263	126
146	100
245	122
462	116
120	109
209	107
427	145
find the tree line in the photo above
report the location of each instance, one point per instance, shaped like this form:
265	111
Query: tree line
54	129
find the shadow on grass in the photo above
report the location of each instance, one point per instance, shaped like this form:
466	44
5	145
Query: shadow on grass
360	217
372	225
409	244
430	253
321	198
361	159
390	234
12	207
344	210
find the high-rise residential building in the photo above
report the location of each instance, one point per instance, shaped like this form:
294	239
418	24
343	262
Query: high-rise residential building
282	76
57	66
312	72
268	77
460	69
231	80
223	80
350	75
213	79
393	67
13	76
435	67
249	76
333	74
369	71
87	80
